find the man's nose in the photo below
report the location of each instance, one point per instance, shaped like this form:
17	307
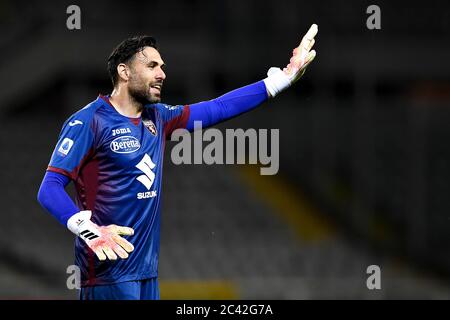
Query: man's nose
161	75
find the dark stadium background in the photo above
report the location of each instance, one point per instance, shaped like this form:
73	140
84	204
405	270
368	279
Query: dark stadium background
364	155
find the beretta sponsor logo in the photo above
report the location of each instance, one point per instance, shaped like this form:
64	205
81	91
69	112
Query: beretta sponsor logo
125	144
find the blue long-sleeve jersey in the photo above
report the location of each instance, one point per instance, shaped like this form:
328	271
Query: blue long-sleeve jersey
116	164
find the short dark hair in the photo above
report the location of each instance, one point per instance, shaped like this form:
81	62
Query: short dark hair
125	51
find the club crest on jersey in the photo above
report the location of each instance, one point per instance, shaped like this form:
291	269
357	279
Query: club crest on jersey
125	144
150	126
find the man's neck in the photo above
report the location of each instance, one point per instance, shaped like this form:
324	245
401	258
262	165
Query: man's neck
125	104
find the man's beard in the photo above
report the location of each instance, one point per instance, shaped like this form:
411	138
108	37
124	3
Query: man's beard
142	95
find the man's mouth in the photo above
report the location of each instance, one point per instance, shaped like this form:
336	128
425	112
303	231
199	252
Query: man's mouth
157	87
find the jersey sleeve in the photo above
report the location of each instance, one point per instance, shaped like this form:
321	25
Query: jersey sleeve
173	117
53	197
227	106
74	147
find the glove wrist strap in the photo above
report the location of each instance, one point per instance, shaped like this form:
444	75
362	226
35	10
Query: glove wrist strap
81	225
276	81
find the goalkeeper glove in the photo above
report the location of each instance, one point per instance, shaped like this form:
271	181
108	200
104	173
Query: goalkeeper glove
278	80
105	241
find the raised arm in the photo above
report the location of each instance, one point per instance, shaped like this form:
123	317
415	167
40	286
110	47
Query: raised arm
249	97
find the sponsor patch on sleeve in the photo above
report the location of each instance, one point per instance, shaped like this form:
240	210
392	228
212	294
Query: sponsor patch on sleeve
65	147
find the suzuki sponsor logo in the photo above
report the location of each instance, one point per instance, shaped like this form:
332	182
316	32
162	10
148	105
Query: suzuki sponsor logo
146	195
125	144
146	165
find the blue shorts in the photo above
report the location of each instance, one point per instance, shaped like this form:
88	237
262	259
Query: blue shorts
147	289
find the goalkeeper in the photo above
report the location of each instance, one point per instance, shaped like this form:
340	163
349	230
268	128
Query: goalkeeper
112	150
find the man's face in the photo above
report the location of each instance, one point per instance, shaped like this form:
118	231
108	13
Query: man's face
146	76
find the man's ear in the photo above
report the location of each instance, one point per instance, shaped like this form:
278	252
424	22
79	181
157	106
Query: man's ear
123	71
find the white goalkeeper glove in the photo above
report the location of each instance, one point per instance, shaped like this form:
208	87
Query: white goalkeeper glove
106	241
278	80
